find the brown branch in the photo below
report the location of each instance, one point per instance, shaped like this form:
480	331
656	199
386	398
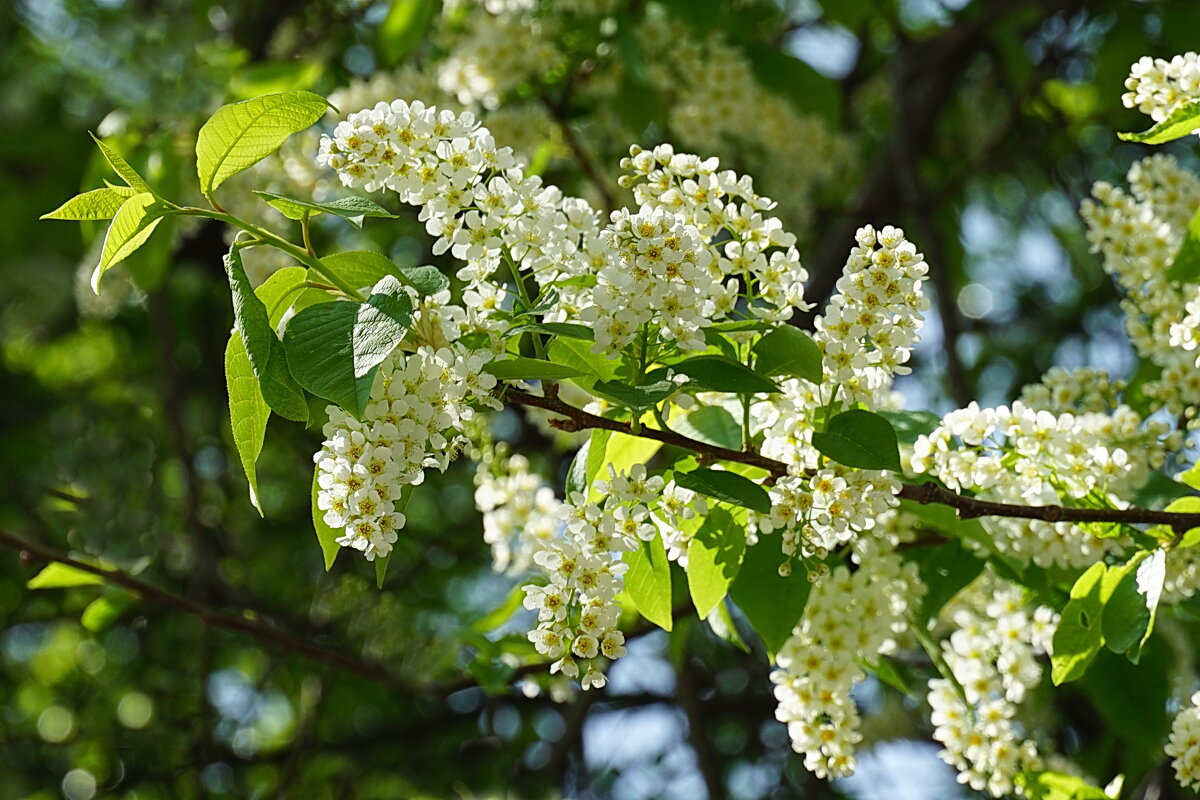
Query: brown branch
577	149
576	419
260	631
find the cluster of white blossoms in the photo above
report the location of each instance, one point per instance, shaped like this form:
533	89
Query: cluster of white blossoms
521	515
577	614
1029	457
819	511
661	272
413	421
1158	86
851	618
1184	744
866	336
1081	389
497	52
993	657
870	326
718	105
1139	233
720	203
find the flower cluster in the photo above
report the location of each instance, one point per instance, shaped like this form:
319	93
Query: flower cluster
816	512
1139	233
577	615
870	326
851	618
992	655
1157	86
718	105
414	419
722	203
661	272
498	52
1082	389
1029	457
1184	744
521	515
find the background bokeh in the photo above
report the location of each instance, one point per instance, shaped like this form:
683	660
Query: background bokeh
978	125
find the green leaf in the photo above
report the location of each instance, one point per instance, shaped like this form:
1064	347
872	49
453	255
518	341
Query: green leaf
1079	635
773	604
886	672
861	439
530	369
248	412
711	425
568	329
131	226
1057	786
638	398
728	487
587	462
280	285
720	621
1186	266
121	167
789	352
1189	504
648	582
620	451
578	354
96	204
1179	123
945	570
268	77
1191	476
359	268
1132	604
714	558
102	612
334	349
720	374
326	536
241	134
364	268
351	209
426	280
911	424
279	388
403	28
1132	702
62	576
740	326
501	613
381	565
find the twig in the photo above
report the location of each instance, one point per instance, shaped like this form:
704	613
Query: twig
577	419
264	633
581	155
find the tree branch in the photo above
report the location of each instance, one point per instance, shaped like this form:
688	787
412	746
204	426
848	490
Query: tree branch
260	631
590	171
576	419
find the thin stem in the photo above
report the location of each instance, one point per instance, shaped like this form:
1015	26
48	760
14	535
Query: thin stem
305	232
271	636
538	347
278	242
924	493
